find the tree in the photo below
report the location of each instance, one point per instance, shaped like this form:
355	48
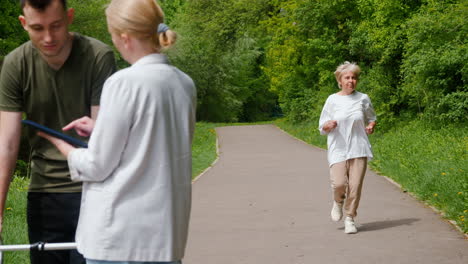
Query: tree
220	48
434	68
11	32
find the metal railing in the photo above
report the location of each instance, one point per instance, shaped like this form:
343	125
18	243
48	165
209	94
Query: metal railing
39	246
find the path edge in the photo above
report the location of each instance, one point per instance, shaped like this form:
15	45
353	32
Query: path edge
212	164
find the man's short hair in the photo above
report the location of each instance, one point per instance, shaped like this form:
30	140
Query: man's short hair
41	5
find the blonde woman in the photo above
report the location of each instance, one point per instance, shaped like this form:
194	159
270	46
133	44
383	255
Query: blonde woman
136	172
347	118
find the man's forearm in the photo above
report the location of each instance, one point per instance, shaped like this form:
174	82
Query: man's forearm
7	165
10	134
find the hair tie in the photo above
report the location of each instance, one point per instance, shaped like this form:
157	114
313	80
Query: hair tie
162	28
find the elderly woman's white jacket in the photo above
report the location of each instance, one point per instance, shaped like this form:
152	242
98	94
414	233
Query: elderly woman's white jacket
137	170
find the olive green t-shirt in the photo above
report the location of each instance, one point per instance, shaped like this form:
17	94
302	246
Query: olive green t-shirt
54	98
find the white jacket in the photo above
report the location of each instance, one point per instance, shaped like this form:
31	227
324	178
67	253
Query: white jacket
137	170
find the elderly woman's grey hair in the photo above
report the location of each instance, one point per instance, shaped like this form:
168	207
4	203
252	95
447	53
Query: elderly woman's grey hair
347	67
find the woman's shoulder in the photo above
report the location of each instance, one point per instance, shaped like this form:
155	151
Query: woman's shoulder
332	96
118	75
331	99
120	79
360	95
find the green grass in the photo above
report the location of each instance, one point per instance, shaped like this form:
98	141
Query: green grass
429	162
203	147
14	226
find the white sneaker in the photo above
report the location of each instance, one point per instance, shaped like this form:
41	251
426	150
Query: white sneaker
337	211
349	226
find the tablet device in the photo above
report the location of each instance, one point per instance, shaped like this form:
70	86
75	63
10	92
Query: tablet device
55	133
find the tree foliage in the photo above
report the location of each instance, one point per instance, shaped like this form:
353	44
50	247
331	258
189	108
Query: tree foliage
221	48
413	55
248	57
11	32
434	66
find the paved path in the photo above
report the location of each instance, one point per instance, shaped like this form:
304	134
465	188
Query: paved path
267	201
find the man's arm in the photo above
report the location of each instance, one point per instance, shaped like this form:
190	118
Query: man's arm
10	134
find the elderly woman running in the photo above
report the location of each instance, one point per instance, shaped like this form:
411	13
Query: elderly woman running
347	118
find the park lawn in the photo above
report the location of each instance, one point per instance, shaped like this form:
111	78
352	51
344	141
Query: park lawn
203	147
14	223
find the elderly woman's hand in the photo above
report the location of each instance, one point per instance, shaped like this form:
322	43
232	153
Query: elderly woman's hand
370	128
330	125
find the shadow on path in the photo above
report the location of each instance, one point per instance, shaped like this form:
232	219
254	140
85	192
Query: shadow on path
378	225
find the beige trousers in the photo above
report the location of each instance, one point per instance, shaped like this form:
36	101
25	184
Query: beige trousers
346	182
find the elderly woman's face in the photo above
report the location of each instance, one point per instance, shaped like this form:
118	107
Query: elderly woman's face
348	82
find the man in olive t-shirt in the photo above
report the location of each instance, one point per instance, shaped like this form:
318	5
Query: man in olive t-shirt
54	78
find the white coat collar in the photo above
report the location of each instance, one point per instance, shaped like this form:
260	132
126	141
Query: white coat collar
152	59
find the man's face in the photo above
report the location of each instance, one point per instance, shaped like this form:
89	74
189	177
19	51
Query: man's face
48	29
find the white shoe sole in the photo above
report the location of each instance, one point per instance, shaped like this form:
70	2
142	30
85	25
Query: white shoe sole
354	231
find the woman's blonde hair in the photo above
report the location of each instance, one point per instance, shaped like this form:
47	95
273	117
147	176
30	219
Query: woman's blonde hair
139	18
347	67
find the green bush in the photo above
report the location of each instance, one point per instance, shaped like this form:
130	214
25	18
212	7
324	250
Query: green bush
436	52
452	107
11	31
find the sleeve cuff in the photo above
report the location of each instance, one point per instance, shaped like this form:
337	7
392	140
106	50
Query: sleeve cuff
73	160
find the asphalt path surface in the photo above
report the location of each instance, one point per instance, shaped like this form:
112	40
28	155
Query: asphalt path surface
267	200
